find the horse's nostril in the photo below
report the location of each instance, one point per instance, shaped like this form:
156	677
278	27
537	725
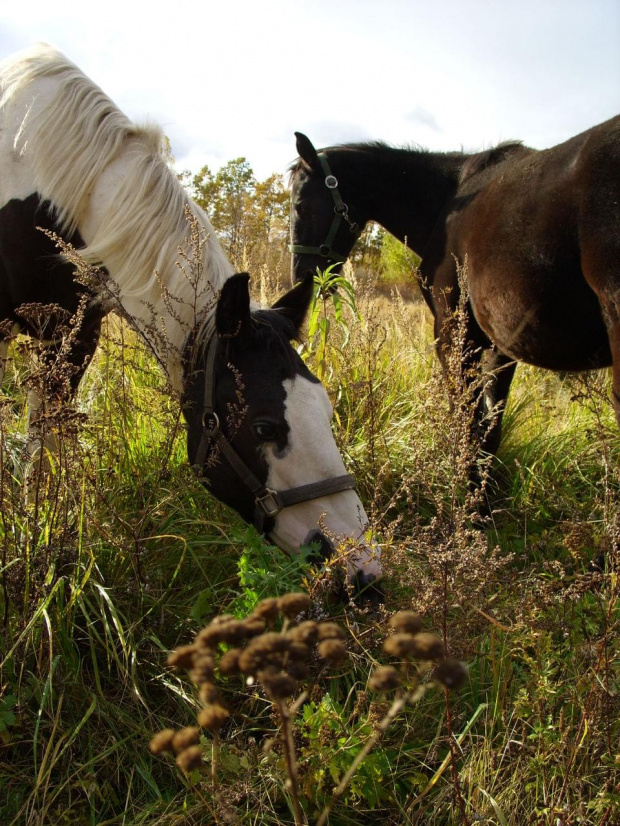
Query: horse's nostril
318	540
368	588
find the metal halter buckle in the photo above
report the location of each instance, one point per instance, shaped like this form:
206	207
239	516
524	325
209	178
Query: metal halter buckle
268	502
331	182
210	421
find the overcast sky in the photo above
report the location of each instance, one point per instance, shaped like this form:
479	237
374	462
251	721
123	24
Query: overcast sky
230	78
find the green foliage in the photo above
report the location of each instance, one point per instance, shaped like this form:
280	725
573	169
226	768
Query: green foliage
333	293
7	714
397	262
267	571
331	741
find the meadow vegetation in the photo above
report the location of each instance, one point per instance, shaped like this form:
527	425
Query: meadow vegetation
119	556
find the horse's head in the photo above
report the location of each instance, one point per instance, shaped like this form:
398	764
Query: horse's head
324	226
260	433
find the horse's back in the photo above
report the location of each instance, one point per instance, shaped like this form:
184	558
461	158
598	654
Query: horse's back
525	226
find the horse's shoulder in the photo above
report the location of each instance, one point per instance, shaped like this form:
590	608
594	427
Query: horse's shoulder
491	157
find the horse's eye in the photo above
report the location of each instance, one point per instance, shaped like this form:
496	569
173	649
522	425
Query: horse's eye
265	431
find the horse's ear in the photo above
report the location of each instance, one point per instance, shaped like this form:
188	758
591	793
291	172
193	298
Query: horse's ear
233	307
294	304
307	152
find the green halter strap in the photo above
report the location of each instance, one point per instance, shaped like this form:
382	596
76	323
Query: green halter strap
341	212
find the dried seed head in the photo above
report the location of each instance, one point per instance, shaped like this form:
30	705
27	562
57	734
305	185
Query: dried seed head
332	649
407	621
254	626
290	605
384	678
220	619
307	632
182	657
208	638
185	737
251	660
299	651
451	673
229	662
209	693
298	669
202	671
331	631
427	647
270	643
399	645
232	632
162	741
213	717
267	609
278	684
190	759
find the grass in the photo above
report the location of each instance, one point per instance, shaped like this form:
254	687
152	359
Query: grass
123	556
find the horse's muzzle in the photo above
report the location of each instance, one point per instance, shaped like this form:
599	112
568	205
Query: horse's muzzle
366	587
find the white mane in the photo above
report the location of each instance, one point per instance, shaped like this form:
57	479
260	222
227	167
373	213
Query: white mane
70	134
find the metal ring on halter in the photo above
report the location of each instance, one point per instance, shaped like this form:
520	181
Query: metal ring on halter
210	421
341	209
331	182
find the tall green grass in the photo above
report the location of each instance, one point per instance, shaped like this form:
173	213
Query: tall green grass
123	555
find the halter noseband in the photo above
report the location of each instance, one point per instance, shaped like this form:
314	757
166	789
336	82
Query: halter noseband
267	502
341	211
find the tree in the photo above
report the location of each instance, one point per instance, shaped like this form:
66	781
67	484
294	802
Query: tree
232	204
270	214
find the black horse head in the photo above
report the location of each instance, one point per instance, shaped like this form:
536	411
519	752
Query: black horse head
260	432
323	226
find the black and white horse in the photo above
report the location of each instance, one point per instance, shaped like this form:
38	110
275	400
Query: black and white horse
258	421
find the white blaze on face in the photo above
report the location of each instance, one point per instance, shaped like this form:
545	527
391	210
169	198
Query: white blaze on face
311	456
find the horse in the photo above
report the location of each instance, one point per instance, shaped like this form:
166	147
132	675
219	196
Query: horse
258	422
537	232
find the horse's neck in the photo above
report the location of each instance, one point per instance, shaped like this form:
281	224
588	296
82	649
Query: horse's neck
405	190
166	299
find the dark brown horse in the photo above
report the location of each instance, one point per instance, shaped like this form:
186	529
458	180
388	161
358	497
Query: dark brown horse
538	229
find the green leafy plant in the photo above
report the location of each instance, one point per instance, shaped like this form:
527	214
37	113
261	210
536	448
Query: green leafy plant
332	294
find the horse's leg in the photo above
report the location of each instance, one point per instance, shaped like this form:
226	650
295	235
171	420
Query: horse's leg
481	369
612	321
499	371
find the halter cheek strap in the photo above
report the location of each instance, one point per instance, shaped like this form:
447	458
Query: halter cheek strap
267	502
341	212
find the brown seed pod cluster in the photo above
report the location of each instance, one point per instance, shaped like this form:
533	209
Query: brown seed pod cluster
280	660
409	642
277	660
184	743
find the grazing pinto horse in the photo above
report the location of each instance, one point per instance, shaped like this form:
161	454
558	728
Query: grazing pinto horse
258	421
538	230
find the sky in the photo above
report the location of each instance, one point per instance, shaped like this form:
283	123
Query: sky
236	78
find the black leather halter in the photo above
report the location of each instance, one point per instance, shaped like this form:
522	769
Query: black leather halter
341	213
268	502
